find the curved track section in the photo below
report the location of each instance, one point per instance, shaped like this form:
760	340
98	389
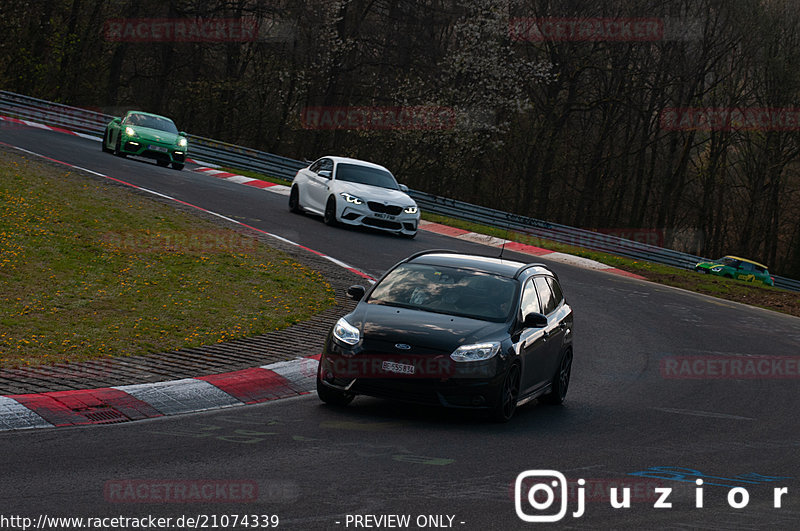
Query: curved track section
668	387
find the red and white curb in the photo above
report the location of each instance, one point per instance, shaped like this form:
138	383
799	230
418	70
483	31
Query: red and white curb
111	405
491	241
247	181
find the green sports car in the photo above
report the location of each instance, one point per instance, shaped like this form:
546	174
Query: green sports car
146	135
739	268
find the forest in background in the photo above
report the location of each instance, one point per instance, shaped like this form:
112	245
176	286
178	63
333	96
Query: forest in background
570	131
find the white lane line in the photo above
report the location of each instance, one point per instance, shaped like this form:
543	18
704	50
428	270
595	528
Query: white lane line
707	414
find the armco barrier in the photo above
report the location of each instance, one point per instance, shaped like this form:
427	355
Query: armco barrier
214	151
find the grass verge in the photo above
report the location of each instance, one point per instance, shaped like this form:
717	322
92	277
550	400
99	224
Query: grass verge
90	270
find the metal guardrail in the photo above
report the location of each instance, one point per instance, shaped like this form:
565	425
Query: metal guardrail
222	153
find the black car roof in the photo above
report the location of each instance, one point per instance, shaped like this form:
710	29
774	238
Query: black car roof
484	264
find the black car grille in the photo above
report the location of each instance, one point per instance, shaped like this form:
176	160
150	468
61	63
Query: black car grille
411	391
382	223
392	210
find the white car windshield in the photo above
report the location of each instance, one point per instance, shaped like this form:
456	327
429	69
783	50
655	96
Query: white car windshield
355	173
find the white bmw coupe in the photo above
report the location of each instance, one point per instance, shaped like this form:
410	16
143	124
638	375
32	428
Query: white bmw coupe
354	192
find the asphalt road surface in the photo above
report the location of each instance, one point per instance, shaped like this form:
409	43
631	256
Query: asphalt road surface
667	387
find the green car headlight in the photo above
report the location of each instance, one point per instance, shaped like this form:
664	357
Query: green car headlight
182	142
716	269
130	131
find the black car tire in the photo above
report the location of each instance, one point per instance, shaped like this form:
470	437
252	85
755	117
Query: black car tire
118	149
509	395
294	200
560	384
104	142
333	397
177	166
330	212
163	163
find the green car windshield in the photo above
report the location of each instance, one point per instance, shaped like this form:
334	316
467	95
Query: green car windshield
152	122
728	261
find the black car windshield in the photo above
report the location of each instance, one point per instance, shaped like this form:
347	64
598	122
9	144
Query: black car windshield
355	173
447	290
727	260
153	122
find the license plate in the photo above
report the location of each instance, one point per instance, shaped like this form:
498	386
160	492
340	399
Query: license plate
158	148
383	216
399	368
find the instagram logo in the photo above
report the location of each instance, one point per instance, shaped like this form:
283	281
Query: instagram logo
538	489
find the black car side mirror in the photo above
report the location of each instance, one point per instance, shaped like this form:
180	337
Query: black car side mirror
356	292
534	320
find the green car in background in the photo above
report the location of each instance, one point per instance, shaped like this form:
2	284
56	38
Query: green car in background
738	268
146	135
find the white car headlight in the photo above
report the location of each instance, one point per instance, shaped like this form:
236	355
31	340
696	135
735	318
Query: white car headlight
346	333
716	269
411	209
479	352
351	198
182	142
129	131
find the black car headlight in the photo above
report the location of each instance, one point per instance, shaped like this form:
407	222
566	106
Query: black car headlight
477	352
346	333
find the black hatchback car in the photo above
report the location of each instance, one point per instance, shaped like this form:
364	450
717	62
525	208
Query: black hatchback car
453	330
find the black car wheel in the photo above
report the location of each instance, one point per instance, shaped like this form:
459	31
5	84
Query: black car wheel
294	200
118	149
104	143
177	166
560	382
333	396
330	212
509	395
163	163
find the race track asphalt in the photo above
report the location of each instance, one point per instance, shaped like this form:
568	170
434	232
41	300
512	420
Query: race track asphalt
641	398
